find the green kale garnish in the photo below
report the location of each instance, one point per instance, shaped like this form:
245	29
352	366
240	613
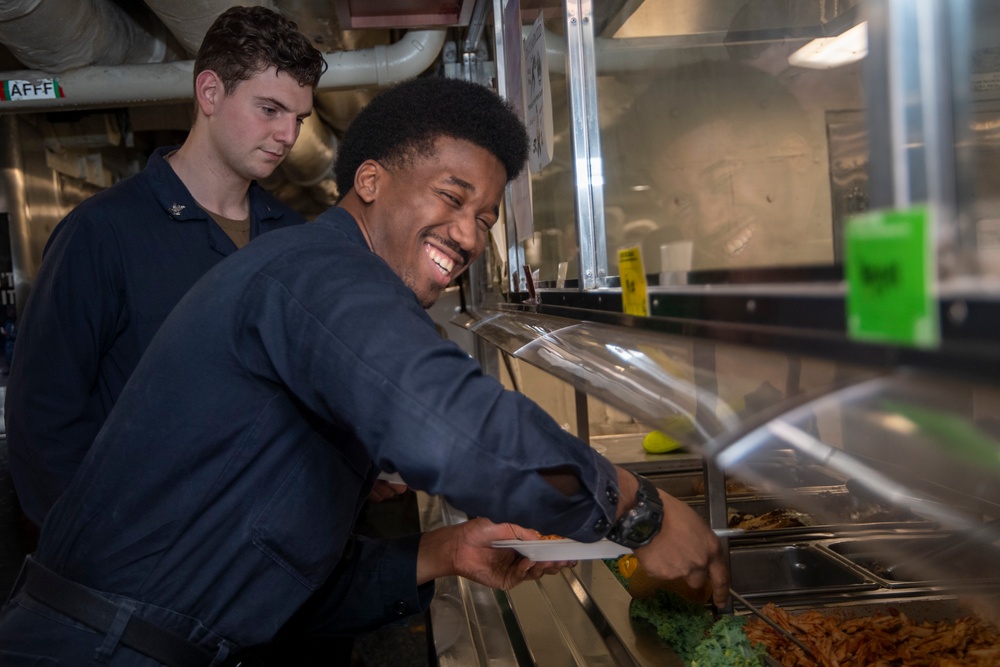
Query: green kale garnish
697	638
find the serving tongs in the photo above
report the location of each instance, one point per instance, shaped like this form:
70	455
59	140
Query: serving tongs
752	608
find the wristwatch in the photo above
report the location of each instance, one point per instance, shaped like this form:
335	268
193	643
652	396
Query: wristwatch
639	525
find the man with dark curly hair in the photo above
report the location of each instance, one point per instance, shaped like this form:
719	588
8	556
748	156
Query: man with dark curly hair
278	389
118	263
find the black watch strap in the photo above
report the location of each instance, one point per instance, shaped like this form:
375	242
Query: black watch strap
640	524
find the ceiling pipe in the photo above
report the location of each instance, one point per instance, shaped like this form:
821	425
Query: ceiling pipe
383	64
636	54
188	21
125	85
59	35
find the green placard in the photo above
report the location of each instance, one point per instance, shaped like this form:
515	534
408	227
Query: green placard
891	278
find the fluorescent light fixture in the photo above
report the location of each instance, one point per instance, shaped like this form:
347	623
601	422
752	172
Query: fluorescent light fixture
829	52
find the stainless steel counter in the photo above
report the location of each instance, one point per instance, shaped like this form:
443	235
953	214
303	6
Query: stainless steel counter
467	622
575	619
580	617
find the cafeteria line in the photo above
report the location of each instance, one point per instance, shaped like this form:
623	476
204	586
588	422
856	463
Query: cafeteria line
754	259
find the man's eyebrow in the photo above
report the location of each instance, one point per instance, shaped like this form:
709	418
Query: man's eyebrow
465	185
274	102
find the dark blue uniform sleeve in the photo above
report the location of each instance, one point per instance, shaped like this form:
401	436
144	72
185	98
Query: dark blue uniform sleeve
54	406
357	348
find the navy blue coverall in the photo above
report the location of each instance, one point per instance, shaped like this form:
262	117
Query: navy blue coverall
270	399
111	272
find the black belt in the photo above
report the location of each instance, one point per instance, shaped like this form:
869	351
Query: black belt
98	613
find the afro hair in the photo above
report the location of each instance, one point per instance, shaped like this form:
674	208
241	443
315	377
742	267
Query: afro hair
403	122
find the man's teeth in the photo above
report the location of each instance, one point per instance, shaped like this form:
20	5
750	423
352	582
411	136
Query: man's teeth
738	243
443	261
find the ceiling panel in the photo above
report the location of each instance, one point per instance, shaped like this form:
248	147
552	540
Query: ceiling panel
359	14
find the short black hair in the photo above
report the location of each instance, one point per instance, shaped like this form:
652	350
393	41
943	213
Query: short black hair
404	121
244	41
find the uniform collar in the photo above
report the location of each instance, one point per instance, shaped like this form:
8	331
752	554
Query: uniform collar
340	219
171	193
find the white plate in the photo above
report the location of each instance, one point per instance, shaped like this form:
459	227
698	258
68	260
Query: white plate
543	550
391	477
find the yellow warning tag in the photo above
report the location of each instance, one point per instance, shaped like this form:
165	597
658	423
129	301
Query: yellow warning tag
633	279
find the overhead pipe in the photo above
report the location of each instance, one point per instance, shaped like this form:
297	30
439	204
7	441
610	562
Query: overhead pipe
188	21
59	35
635	54
383	64
123	85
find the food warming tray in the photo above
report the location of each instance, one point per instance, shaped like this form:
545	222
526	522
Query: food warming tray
793	569
898	560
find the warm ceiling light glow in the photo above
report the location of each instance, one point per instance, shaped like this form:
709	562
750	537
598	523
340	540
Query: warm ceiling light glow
829	52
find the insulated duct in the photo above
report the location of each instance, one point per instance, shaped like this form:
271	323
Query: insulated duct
312	156
339	107
59	35
191	19
384	64
124	85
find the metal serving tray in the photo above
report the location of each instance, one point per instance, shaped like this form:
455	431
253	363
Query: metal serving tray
838	513
825	500
689	484
922	608
901	561
793	569
917	609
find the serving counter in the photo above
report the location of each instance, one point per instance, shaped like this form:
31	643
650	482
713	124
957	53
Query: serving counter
701	252
842	488
578	617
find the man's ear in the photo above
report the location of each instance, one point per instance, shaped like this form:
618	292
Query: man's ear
208	90
367	180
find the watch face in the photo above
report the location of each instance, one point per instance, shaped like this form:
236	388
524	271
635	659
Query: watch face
638	526
642	531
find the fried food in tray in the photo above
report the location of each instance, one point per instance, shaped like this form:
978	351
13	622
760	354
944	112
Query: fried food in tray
734	487
887	637
770	520
755	509
837	511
